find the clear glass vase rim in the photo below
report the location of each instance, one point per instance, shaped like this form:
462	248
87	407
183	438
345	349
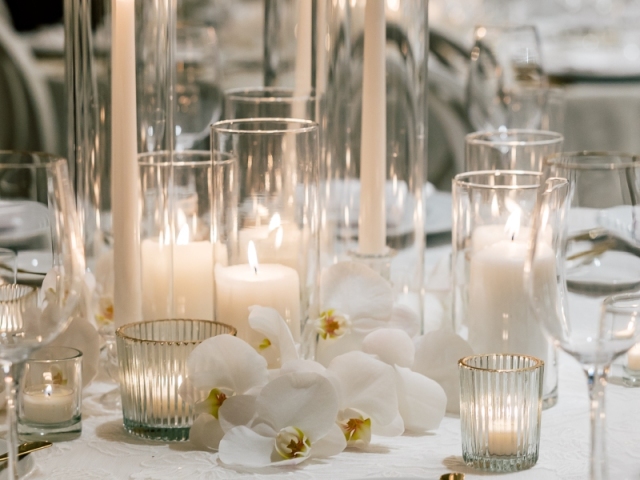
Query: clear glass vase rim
226	126
537	363
205	154
120	331
46	159
74	353
460	179
244	94
547	137
558	159
608	303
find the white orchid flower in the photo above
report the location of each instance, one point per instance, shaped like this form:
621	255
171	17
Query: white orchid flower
437	355
294	420
422	402
354	300
368	399
278	346
219	368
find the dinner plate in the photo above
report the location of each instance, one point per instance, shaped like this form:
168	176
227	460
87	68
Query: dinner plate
24	466
32	266
22	222
620	220
439	218
609	273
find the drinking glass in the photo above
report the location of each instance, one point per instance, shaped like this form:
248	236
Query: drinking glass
507	87
37	213
586	213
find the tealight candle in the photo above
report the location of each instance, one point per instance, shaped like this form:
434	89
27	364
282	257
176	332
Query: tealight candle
239	287
502	438
48	404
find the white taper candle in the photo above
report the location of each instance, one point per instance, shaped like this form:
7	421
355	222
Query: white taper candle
373	147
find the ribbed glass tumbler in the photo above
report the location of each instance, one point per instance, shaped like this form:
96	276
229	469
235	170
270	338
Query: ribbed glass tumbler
500	407
152	357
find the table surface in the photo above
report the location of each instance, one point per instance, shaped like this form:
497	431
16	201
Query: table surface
105	451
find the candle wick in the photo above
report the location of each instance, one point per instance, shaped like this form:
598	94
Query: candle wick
255	270
513	236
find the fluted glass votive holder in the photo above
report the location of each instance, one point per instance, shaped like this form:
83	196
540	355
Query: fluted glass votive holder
50	399
152	356
500	409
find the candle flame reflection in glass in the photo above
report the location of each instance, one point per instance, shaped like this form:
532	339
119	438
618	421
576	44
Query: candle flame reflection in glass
512	226
48	390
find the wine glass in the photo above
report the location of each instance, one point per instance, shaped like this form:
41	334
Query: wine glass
38	220
585	299
506	87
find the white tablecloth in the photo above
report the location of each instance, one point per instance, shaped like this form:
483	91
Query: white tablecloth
106	452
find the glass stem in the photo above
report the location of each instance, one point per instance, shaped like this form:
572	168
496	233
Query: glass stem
597	377
11	372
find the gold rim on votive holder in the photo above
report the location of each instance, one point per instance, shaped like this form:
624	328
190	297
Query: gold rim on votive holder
223	326
152	357
537	363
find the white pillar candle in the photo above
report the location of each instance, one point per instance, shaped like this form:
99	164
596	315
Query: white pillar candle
192	265
48	404
499	318
239	287
502	438
124	163
303	57
633	358
373	147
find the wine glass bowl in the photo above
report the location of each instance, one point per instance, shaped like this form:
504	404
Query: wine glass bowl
38	221
507	87
586	214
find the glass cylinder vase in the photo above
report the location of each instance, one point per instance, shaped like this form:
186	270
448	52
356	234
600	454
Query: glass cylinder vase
492	220
265	225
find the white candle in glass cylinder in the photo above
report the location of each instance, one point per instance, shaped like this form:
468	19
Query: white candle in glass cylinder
372	225
124	177
239	287
48	404
275	243
192	265
499	315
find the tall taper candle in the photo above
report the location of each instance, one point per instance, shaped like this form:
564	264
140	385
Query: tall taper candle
373	147
124	163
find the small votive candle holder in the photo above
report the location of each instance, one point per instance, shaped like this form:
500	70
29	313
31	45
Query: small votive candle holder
50	399
152	356
500	410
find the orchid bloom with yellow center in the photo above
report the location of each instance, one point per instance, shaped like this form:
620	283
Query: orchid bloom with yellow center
332	324
214	401
291	442
356	429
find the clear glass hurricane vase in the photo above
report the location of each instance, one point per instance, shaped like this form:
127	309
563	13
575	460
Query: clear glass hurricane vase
586	214
39	222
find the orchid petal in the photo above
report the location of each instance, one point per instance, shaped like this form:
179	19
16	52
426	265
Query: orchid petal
302	365
437	355
356	290
367	385
268	322
327	350
225	361
422	401
242	446
236	411
390	345
307	401
405	318
331	444
206	432
393	429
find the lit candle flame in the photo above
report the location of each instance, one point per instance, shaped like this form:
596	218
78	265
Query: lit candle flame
274	222
512	227
252	256
48	390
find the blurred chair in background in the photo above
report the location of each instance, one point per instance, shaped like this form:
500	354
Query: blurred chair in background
26	110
